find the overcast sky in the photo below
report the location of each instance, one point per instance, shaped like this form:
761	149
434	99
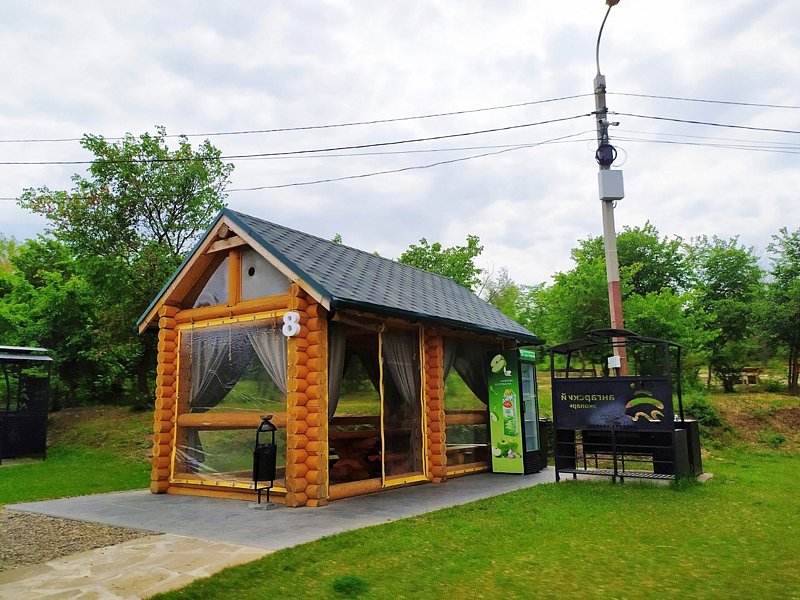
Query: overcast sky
71	68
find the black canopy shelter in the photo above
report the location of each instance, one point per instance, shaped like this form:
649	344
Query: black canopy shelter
26	386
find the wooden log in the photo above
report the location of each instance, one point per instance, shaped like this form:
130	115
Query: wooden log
354	488
165	391
465	418
165	368
316	405
269	303
315	350
298	304
165	380
315	419
314	502
297	427
297	371
436	426
161	462
298	413
167	357
168	311
296	499
315	324
436	437
316	337
296	357
167	323
435	406
159	487
296	470
296	455
297	485
214	421
160	439
315	477
160	450
297	399
297	441
167	346
313	490
165	404
159	474
315	446
433	362
297	385
315	393
317	462
162	427
317	364
314	310
435	393
312	433
439	460
167	335
316	377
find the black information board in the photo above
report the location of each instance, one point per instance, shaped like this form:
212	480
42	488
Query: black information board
640	403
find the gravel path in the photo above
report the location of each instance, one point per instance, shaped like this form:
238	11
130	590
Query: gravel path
27	539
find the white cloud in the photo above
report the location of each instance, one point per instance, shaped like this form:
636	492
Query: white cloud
206	66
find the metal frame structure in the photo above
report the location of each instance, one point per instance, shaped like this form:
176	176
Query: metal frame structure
602	440
23	419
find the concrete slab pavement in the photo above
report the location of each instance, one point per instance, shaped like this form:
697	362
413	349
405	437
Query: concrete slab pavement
205	535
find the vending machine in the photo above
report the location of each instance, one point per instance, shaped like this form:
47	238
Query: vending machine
513	412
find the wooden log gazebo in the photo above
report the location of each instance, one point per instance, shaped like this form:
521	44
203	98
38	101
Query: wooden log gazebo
347	350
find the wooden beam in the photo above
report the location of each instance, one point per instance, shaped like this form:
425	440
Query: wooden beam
216	421
226	244
466	417
354	488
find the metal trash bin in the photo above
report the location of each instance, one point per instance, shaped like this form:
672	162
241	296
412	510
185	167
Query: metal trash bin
264	457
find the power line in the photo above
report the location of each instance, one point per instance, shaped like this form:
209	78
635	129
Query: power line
312	127
503	148
788	150
411	168
705	100
297	152
704	137
708	123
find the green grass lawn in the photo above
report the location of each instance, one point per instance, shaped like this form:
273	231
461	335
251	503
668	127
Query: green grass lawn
734	536
92	450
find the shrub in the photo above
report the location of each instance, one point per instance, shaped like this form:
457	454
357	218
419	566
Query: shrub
699	407
771	438
773	385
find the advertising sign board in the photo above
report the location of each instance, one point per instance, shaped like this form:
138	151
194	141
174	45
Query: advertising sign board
505	423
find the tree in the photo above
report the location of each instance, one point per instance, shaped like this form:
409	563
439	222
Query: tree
781	313
727	284
128	224
9	248
656	263
502	293
456	262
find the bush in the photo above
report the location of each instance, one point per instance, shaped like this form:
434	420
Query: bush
699	407
350	586
771	438
773	385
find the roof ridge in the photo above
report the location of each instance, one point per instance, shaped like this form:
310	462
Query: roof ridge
365	252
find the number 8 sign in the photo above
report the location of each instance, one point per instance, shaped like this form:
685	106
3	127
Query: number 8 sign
291	324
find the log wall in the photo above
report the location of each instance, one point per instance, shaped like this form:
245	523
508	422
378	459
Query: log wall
164	415
433	346
307	422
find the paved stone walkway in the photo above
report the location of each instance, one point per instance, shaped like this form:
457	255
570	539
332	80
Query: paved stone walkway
205	535
131	570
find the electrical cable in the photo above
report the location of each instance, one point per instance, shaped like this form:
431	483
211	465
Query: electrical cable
708	123
704	100
312	127
296	152
411	168
504	148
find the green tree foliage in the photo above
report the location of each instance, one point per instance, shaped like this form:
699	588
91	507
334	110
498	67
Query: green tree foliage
455	262
128	224
9	248
780	315
727	287
654	263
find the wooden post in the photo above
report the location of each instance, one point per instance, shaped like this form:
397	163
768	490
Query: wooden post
434	405
164	415
307	422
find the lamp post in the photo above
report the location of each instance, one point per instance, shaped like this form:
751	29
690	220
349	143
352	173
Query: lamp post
611	189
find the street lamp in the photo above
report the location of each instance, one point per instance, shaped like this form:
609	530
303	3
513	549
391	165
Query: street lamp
611	189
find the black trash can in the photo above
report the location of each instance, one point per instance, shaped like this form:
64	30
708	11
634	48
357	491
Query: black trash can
264	457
